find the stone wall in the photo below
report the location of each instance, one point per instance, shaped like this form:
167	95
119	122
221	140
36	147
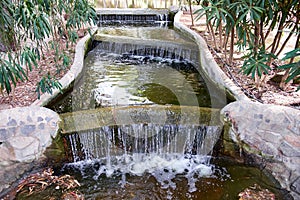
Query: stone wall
271	135
25	133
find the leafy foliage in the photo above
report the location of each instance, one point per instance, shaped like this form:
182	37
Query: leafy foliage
294	66
248	24
25	28
256	63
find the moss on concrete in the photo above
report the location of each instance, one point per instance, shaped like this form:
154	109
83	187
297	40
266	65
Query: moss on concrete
90	119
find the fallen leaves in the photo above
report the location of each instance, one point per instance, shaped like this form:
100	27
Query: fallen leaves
256	193
40	181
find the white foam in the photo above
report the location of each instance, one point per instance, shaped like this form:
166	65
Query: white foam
164	167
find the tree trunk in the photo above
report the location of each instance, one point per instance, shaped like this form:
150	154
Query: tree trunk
262	36
220	35
287	39
212	32
225	47
191	12
283	85
231	46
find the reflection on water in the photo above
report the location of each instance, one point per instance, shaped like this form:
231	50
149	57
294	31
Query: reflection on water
143	66
224	182
146	161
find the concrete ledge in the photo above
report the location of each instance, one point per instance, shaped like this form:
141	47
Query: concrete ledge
131	11
157	114
139	41
270	134
208	63
75	70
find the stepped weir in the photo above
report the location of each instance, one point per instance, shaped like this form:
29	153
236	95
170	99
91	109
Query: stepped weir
142	121
160	140
157	17
141	107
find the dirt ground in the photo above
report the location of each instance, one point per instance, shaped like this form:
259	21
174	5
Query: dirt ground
25	92
270	93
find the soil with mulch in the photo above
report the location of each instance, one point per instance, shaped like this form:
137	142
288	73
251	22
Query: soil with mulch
269	93
24	93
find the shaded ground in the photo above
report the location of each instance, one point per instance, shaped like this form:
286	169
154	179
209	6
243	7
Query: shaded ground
270	93
25	92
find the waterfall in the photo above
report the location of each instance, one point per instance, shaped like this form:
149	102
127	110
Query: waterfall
142	139
145	19
151	17
162	144
164	50
161	150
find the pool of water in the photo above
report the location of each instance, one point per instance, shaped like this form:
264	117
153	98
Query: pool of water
134	66
140	65
221	180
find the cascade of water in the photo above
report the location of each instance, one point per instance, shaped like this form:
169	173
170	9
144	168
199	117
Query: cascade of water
133	18
128	49
142	139
161	150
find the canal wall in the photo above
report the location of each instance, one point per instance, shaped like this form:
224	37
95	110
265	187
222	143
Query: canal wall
268	132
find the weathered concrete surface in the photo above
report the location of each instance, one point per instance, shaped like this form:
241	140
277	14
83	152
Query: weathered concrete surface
208	63
130	11
75	70
271	134
25	133
155	114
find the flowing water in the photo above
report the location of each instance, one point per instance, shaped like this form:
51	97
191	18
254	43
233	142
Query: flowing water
139	3
162	151
153	157
141	65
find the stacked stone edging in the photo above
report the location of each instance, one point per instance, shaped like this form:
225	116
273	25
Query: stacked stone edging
272	134
269	132
25	133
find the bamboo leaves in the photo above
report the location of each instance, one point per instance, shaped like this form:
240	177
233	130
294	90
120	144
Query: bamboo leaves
46	84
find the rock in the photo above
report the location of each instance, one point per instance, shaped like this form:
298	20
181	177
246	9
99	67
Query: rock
296	186
25	133
24	148
270	133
